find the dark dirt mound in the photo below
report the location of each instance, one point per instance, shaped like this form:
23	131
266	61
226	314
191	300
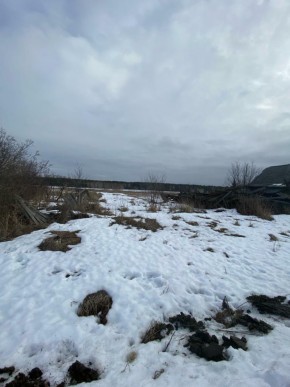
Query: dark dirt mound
79	373
60	241
96	304
186	321
254	324
274	305
6	372
235	342
157	331
206	346
33	379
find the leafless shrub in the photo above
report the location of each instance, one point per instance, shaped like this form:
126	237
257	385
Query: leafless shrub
19	175
155	185
240	175
153	207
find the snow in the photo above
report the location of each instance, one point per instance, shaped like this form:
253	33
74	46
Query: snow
150	276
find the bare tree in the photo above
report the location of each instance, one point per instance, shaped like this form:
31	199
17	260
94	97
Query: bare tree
240	175
20	170
155	185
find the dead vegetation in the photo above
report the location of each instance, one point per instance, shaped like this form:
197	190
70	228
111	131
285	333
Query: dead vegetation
20	172
272	305
254	206
60	241
192	223
96	304
156	331
230	317
273	238
138	222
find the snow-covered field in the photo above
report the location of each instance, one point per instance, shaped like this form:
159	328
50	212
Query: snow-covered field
150	276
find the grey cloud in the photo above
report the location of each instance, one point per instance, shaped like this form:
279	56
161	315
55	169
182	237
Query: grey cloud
182	87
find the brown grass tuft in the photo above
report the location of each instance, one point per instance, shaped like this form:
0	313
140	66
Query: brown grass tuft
60	241
156	331
273	238
254	206
140	223
96	304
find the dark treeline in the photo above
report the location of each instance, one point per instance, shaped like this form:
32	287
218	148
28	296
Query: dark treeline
84	183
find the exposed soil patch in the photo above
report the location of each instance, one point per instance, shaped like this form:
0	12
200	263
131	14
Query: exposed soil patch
79	373
235	342
186	321
274	305
96	304
140	223
33	379
60	241
157	331
206	346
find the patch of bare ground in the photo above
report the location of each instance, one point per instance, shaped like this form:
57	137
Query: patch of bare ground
60	241
139	223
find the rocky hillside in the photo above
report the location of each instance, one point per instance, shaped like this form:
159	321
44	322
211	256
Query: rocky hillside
277	174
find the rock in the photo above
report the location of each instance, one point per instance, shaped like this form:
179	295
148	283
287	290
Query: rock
79	373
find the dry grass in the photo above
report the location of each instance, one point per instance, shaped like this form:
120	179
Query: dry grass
192	223
221	230
156	331
182	207
139	223
153	207
176	217
273	238
96	304
254	206
213	224
210	249
60	241
131	357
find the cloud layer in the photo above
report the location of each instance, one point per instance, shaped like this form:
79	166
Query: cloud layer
123	88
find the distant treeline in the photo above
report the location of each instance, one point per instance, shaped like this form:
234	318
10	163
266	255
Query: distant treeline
71	182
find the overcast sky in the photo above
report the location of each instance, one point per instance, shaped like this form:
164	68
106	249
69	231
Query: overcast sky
127	87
